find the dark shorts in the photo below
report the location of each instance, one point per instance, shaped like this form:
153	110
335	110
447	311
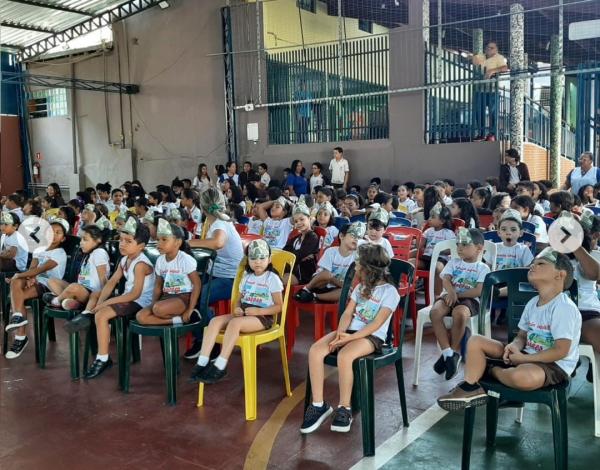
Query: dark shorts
8	265
427	260
126	309
185	298
41	289
324	290
554	374
471	304
588	315
374	340
337	186
267	320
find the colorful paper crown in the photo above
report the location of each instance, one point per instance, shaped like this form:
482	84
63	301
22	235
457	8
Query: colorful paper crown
258	249
301	208
326	206
464	237
164	228
380	214
60	221
6	218
587	219
436	210
357	230
512	214
175	214
130	226
89	207
281	201
549	255
103	223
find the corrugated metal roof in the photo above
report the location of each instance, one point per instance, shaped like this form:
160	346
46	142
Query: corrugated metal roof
13	13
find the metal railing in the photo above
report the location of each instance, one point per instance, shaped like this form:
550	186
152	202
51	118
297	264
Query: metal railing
313	73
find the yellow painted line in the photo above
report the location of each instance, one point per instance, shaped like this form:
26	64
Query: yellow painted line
260	451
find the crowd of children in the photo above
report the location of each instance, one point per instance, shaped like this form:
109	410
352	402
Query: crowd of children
328	227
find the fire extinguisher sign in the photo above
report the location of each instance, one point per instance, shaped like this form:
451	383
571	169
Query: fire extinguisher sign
38	156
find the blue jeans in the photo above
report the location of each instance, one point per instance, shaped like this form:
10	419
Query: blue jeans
484	100
220	289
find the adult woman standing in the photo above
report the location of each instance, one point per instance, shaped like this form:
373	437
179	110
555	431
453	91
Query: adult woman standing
296	182
224	238
202	180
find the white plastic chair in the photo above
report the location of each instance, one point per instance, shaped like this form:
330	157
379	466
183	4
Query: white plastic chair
423	318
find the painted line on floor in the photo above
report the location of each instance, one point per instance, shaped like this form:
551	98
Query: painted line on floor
399	441
260	451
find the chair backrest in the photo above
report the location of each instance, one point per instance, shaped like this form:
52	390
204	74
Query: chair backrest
402	272
346	288
74	257
358	218
283	261
339	222
204	266
489	253
485	220
458	223
248	237
519	292
527	239
595	210
241	228
244	220
400	222
402	240
152	253
528	227
548	221
399	214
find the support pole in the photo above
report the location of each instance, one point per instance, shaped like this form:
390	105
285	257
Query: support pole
340	64
477	41
426	35
556	98
517	66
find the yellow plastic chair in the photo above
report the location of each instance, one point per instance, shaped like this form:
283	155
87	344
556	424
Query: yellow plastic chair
248	343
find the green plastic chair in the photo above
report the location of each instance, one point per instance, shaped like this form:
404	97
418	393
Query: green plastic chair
555	397
363	396
170	334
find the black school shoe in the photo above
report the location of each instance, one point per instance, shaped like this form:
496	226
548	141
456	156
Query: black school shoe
440	365
304	296
452	365
97	368
342	419
197	372
80	322
314	417
16	321
212	374
17	348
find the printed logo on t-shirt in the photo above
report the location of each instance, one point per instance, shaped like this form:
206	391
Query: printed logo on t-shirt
84	277
367	309
174	283
256	292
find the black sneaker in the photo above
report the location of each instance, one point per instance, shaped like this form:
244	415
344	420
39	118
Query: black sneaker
97	368
16	321
195	317
194	350
314	417
212	374
452	365
342	419
440	365
80	322
17	348
590	376
197	372
48	297
304	296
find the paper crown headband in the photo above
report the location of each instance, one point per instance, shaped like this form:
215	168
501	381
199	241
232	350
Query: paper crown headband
60	221
326	206
301	208
130	226
6	218
512	214
357	230
103	223
258	249
464	237
380	214
164	228
89	207
549	255
149	217
123	213
436	210
281	201
587	219
175	214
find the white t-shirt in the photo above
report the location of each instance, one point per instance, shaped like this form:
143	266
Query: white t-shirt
88	273
145	298
18	241
332	234
230	256
276	232
587	297
433	237
338	170
558	319
333	261
514	177
384	242
465	276
258	290
57	272
316	181
18	212
265	179
541	234
382	296
200	184
517	256
196	216
175	273
255	226
408	204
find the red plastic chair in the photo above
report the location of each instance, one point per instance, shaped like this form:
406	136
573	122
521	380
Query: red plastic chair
403	239
241	228
247	238
485	221
458	223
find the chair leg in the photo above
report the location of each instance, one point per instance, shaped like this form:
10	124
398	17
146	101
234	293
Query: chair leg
413	308
250	387
559	429
397	318
367	401
126	365
37	329
468	437
319	324
401	391
51	330
170	369
290	330
284	364
74	355
136	349
120	339
42	345
519	415
5	319
418	343
491	420
200	395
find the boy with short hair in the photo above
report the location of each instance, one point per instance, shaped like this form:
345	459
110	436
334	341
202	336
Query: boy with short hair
510	253
377	222
462	280
544	352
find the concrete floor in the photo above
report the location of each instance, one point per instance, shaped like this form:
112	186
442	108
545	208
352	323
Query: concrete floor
47	421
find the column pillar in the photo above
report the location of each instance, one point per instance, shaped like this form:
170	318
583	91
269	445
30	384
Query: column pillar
556	98
517	66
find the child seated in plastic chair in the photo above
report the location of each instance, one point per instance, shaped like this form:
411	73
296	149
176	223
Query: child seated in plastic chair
544	352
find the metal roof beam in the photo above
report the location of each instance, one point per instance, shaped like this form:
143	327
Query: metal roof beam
117	13
28	27
11	46
52	6
47	81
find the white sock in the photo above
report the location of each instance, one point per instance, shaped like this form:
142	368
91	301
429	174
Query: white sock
448	352
318	404
220	363
17	313
102	357
86	312
347	407
177	320
20	338
202	360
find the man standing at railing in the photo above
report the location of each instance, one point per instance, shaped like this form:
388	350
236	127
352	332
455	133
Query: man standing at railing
492	64
586	173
